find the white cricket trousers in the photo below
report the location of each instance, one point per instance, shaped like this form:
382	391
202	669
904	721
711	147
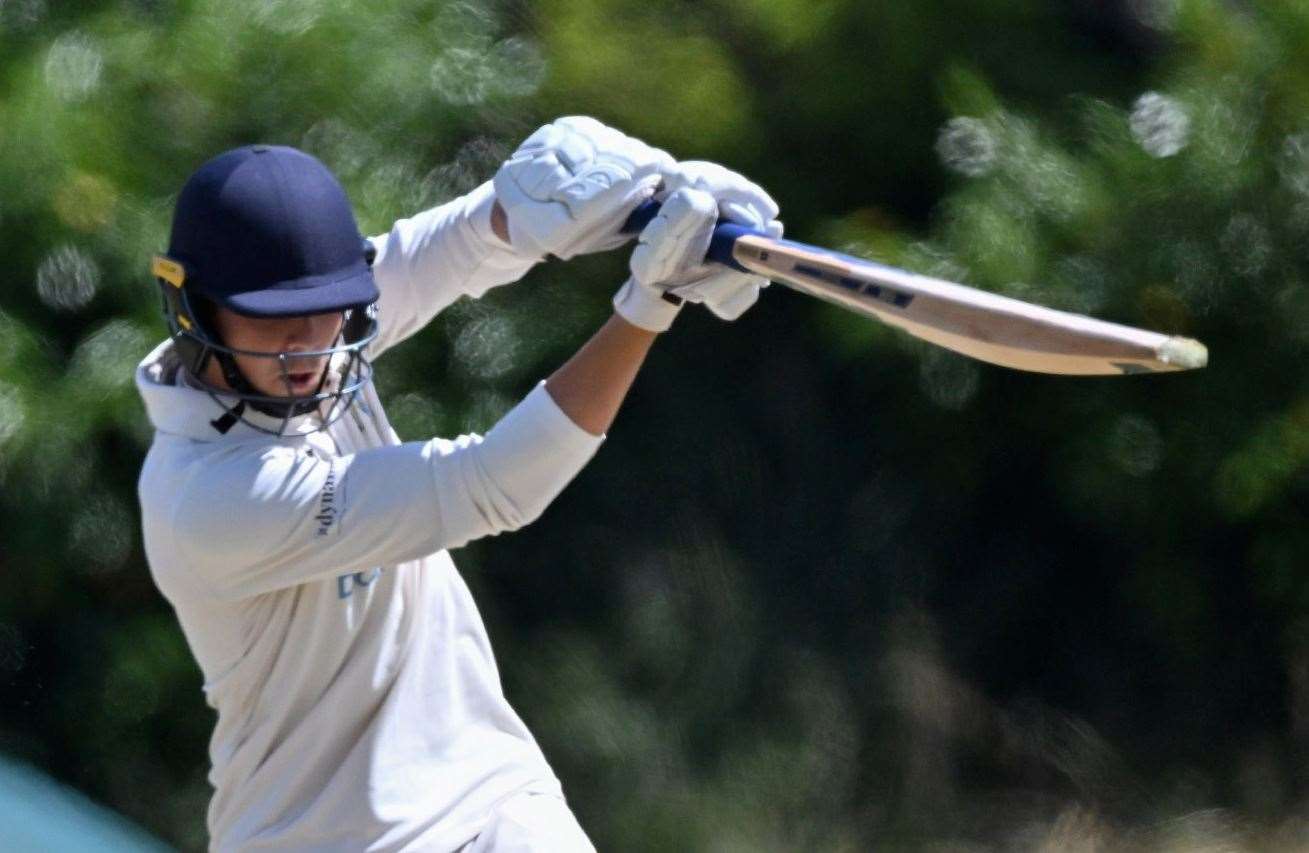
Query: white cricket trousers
531	823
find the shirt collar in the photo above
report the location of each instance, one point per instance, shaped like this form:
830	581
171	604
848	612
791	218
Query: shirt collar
178	407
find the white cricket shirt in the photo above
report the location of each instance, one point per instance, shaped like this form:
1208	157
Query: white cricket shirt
359	706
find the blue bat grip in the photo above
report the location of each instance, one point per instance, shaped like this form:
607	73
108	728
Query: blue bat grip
720	246
641	217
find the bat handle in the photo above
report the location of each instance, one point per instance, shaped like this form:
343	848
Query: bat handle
720	246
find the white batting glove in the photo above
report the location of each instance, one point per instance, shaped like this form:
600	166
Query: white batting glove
571	185
727	293
668	266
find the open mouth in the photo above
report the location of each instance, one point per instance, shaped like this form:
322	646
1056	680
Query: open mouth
302	380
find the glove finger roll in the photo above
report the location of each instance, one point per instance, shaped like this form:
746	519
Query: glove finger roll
597	225
724	184
676	240
570	185
539	176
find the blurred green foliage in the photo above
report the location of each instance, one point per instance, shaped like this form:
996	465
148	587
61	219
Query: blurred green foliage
825	587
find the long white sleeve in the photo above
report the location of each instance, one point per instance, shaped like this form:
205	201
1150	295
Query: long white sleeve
254	520
428	261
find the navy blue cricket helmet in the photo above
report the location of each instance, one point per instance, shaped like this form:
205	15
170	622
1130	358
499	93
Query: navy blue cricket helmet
267	231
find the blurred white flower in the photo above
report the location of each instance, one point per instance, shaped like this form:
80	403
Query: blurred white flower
461	75
391	184
967	146
519	67
415	416
11	334
345	149
475	163
106	360
1158	15
1160	124
466	22
12	412
485	408
1293	163
68	278
74	65
287	17
1249	245
486	347
101	533
470	75
925	258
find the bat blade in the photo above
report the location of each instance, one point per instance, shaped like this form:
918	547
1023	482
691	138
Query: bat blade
975	323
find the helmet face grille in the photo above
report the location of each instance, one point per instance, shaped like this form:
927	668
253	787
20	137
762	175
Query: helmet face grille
338	388
345	374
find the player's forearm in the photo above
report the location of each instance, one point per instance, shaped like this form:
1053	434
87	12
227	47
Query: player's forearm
591	385
436	255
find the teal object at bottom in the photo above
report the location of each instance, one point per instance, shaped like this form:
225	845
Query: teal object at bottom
40	814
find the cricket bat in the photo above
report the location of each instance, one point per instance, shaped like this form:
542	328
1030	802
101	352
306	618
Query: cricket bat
975	323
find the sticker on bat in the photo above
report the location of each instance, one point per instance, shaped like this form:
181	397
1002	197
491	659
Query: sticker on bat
864	288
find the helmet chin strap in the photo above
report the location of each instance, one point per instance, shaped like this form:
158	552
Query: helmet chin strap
237	382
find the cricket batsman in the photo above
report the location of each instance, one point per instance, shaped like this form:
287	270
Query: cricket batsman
304	546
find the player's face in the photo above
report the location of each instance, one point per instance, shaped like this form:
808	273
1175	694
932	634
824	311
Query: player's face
310	333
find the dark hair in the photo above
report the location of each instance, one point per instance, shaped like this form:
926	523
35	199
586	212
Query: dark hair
205	312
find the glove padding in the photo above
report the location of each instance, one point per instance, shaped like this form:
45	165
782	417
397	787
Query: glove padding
668	266
726	292
571	185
